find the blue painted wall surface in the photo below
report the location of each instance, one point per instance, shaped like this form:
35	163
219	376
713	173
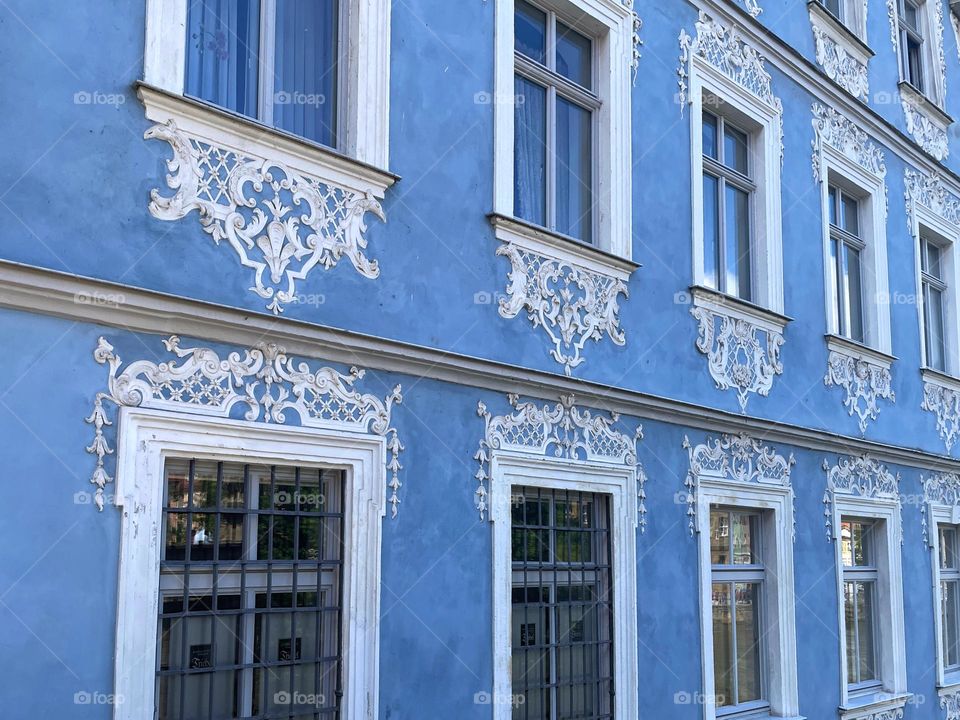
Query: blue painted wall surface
74	185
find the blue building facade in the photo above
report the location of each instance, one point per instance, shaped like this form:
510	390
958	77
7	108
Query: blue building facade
488	359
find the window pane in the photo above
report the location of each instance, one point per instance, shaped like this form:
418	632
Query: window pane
851	215
723	645
530	26
531	640
911	15
574	171
936	356
836	282
914	64
834	6
948	619
710	135
948	539
865	625
854	294
711	231
574	55
719	537
305	71
737	242
223	46
855	539
748	641
735	150
833	202
850	631
530	152
745	536
931	264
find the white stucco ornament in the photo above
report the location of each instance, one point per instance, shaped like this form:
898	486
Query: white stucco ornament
270	384
840	65
862	477
864	383
944	403
562	431
281	223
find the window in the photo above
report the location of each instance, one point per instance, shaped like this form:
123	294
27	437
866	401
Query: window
949	563
860	580
737	589
250	591
836	8
555	110
934	291
727	199
562	605
846	249
910	23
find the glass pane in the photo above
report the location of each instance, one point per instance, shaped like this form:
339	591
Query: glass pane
948	541
305	70
854	294
178	478
176	542
231	537
855	538
931	264
719	537
203	536
223	46
574	54
745	536
530	28
530	643
832	201
914	64
574	171
851	215
850	631
737	242
204	484
951	632
710	135
936	357
865	625
530	152
748	641
735	150
723	645
834	6
911	15
711	231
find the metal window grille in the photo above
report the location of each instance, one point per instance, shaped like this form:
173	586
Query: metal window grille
251	592
562	611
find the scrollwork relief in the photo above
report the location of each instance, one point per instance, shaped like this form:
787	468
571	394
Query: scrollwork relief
861	476
864	383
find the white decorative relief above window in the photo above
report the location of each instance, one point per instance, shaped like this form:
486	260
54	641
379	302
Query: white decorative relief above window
563	288
833	130
860	477
753	8
563	432
738	459
264	379
742	343
724	50
840	47
941	492
284	207
864	376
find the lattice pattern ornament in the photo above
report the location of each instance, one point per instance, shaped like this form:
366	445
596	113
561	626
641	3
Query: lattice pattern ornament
741	355
571	303
833	129
840	66
944	403
737	458
863	381
281	223
861	476
563	431
263	379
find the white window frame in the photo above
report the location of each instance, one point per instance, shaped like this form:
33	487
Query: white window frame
931	98
363	96
762	120
937	515
508	470
609	23
890	639
924	220
853	16
145	439
870	189
775	502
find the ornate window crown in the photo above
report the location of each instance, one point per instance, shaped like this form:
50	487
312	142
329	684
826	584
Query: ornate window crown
862	477
833	129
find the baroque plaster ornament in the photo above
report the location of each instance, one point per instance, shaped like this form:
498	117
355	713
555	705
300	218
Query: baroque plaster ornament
571	303
725	50
942	489
931	192
740	355
281	223
637	40
943	402
840	66
263	379
927	134
865	383
861	476
737	458
950	702
563	431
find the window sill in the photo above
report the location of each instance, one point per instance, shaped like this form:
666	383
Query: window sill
951	681
919	100
852	348
840	33
944	380
734	307
246	136
870	704
561	247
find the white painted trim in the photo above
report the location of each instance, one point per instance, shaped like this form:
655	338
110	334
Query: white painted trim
779	630
509	469
766	153
365	99
938	514
891	637
145	439
613	32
